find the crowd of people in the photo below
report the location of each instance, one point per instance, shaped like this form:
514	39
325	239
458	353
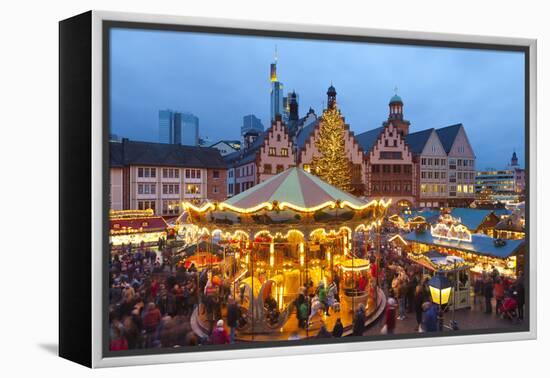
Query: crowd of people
149	306
151	302
509	295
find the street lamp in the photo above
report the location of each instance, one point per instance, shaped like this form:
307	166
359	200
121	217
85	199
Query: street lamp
440	290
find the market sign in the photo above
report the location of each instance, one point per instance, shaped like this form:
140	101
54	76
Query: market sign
457	232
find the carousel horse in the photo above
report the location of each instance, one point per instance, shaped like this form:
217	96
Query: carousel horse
331	298
316	306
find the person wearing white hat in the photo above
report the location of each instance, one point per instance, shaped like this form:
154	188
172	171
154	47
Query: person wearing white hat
219	334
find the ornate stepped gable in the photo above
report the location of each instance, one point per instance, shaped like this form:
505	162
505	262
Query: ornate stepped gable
276	154
307	149
386	146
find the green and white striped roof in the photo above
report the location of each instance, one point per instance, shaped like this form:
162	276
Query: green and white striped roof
294	189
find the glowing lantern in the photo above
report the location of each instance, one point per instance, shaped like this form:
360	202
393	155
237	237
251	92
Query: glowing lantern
440	289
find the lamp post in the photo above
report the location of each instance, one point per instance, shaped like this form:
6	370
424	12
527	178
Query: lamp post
440	290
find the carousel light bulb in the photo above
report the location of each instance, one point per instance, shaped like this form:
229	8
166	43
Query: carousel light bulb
271	254
301	254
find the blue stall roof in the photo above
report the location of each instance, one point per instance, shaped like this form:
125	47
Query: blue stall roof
471	218
429	215
481	244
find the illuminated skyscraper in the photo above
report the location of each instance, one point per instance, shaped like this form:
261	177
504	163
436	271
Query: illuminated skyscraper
276	91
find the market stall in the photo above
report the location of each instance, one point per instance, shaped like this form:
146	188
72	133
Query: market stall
136	227
455	268
483	252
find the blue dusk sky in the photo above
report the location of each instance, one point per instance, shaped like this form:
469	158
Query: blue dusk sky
221	78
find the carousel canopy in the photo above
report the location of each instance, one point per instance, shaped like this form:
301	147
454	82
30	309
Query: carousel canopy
293	189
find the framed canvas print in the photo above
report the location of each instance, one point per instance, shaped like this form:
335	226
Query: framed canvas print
234	189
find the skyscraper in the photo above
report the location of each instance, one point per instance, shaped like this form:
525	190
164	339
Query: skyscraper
166	122
251	122
189	129
178	128
277	95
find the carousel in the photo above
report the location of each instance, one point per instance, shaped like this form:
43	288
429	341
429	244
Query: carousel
288	241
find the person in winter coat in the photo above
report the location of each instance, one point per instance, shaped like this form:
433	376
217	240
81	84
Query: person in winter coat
322	292
429	318
488	293
118	341
151	321
520	289
303	314
323	332
219	334
359	321
498	291
338	329
390	316
418	301
233	315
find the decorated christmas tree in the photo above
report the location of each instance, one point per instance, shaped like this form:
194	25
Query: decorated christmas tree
333	165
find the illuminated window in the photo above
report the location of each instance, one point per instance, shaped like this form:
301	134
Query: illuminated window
192	189
423	188
284	151
272	151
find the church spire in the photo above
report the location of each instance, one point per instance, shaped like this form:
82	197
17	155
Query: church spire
396	114
331	96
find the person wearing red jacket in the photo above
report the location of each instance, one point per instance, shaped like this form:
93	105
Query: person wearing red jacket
219	335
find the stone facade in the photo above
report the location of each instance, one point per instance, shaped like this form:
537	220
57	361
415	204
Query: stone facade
391	170
276	154
433	169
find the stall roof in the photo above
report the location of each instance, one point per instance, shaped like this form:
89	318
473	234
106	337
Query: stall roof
471	218
145	224
480	245
434	260
429	215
